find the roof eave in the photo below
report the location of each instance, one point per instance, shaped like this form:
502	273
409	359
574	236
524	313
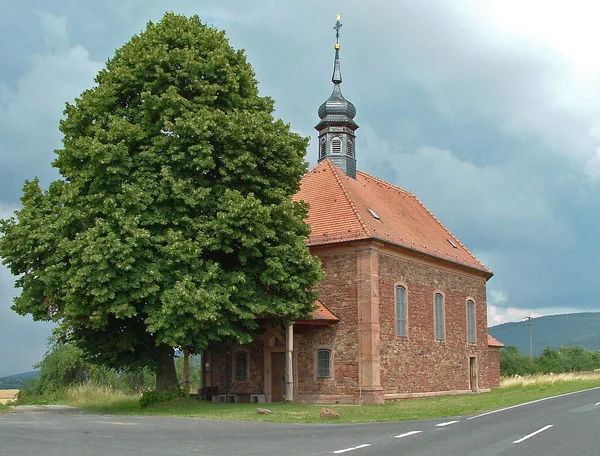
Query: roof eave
487	272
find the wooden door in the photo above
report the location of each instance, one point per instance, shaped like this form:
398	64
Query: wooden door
473	373
277	376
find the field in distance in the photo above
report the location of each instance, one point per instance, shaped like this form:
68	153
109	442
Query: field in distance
8	395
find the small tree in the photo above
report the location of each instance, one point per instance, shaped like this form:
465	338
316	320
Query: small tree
513	362
549	362
172	225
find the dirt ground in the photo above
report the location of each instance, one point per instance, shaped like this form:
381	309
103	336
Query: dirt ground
7	395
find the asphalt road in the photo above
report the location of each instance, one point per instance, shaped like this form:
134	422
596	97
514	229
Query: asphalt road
566	425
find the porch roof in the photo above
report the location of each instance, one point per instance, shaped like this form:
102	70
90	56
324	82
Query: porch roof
321	316
493	342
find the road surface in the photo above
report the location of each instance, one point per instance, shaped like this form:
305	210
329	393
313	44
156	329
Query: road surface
565	425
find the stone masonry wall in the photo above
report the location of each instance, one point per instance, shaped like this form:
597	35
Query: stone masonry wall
255	380
337	291
419	363
494	367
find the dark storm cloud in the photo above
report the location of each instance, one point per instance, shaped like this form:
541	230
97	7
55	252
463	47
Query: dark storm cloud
491	130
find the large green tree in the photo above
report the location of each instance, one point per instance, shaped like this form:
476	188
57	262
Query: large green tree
172	224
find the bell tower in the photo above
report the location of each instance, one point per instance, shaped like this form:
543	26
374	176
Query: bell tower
337	129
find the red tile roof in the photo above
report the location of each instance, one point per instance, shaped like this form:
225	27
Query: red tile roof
321	315
346	209
492	342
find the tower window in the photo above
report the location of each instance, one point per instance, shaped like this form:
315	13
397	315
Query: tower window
336	146
350	145
322	148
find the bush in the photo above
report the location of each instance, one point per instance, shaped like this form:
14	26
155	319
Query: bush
567	359
152	397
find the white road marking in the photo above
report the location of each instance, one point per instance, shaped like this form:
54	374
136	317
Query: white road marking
597	403
528	436
448	423
407	434
531	402
364	445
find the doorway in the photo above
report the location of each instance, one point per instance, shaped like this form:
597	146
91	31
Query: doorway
277	376
473	374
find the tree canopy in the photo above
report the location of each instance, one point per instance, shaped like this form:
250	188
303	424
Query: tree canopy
173	223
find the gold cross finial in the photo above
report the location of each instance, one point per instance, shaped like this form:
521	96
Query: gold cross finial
337	27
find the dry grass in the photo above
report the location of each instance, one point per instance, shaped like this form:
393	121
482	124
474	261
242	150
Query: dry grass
549	379
94	396
7	396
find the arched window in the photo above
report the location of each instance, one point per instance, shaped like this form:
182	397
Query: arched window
439	316
470	321
324	363
350	146
400	311
336	146
322	148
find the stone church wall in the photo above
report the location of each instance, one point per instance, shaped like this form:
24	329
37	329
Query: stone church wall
418	363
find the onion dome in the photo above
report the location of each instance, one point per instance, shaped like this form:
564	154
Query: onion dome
337	109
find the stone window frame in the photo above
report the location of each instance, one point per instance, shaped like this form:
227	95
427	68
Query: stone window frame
405	287
469	341
316	350
435	319
236	352
323	148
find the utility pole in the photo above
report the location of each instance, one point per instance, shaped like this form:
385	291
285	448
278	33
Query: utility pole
530	339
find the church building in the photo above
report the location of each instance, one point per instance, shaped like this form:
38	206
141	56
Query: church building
402	308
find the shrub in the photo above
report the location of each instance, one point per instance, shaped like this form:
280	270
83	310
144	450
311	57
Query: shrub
152	397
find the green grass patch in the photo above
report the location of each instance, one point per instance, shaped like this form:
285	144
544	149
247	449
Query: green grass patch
402	410
3	408
514	391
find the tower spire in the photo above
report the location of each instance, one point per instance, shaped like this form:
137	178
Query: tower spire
337	127
337	74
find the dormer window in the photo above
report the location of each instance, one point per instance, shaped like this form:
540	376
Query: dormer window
336	146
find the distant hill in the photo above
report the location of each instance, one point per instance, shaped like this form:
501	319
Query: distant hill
554	331
16	381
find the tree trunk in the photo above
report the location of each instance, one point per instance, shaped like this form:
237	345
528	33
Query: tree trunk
186	371
166	377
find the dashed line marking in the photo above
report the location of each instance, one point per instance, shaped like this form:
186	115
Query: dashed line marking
447	423
407	434
597	403
531	402
364	445
528	436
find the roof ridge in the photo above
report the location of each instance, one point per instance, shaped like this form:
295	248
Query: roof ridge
401	190
381	181
334	170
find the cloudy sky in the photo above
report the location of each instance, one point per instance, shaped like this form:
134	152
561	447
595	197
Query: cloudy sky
487	110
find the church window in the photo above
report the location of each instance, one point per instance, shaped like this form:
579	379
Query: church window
336	146
241	366
324	363
471	321
400	311
439	317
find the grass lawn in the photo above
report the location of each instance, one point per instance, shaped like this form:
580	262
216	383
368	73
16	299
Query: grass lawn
3	408
408	409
